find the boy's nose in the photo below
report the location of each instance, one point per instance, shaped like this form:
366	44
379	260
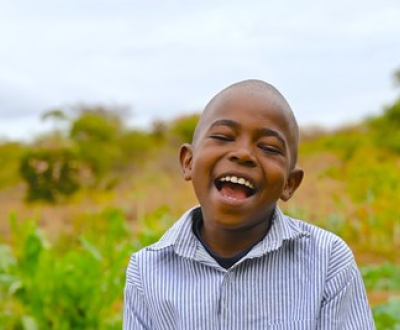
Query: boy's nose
243	155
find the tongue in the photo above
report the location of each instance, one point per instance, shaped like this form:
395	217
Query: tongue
233	191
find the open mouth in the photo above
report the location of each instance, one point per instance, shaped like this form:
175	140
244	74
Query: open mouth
234	187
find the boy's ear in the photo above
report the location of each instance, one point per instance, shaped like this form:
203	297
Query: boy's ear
186	158
292	183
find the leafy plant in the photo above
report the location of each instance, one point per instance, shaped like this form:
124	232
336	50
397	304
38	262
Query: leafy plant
387	316
381	277
44	286
77	281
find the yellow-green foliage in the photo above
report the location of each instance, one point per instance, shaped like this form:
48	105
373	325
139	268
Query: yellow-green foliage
96	135
386	128
10	155
183	127
384	278
387	316
76	282
371	180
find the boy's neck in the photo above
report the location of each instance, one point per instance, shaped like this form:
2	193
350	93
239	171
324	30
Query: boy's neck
229	242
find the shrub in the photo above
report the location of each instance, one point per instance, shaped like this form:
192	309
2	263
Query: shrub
49	174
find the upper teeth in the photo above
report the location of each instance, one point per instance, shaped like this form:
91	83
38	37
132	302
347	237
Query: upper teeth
235	179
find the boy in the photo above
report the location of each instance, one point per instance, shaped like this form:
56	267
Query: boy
236	262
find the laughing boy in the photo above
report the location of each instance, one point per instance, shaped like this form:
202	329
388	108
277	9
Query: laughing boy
236	262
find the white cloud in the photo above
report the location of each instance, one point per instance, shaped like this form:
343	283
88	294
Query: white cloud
332	60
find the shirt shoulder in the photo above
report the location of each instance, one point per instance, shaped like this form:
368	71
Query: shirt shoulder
321	236
328	245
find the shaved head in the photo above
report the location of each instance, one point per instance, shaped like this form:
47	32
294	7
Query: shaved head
272	95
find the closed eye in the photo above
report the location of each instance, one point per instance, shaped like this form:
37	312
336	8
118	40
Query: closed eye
221	137
270	149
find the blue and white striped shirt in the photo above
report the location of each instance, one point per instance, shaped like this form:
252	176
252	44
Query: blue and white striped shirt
298	277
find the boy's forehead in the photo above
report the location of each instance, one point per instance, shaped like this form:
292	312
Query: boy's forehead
239	99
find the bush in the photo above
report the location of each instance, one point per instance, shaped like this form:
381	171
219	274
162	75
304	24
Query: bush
95	135
49	174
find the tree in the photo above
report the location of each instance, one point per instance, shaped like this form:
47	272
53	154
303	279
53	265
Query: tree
58	117
95	133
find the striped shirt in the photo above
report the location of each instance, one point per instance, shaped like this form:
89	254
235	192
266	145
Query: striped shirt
298	277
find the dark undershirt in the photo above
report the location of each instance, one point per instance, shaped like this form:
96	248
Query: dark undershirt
225	262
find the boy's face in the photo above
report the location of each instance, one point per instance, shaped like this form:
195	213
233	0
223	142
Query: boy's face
240	162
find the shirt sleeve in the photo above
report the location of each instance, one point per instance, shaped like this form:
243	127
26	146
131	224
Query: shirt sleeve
136	314
345	303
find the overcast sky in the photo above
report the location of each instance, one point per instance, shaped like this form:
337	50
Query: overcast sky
333	60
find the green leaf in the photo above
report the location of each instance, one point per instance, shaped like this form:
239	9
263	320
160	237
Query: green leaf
29	323
91	249
6	258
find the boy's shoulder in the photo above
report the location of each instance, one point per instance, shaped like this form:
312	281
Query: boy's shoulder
331	251
321	238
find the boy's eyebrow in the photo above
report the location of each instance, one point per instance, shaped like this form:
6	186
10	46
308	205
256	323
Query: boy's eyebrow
271	132
263	131
225	122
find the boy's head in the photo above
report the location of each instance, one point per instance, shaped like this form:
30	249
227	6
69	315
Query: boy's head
274	98
243	155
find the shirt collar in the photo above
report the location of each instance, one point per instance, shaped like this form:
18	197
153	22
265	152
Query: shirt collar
283	229
180	236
